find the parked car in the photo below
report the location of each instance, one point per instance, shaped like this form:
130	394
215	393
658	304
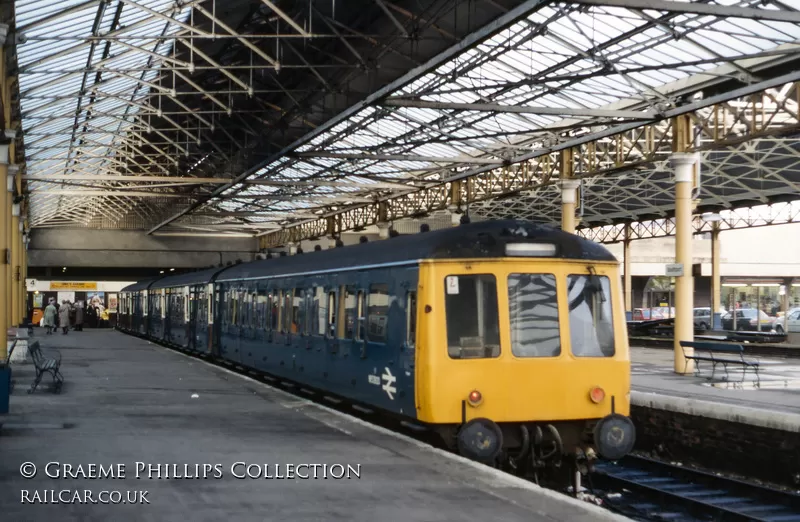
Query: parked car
703	319
748	319
793	316
650	314
643	314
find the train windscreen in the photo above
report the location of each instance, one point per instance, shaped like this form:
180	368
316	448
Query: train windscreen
471	310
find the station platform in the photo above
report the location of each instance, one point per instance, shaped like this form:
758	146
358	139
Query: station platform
730	427
127	402
776	396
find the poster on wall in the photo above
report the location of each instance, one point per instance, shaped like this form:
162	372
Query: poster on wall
66	296
38	300
112	303
96	299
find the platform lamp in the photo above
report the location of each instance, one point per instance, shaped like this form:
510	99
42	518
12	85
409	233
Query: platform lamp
711	217
13	169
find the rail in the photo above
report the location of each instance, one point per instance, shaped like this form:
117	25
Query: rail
654	490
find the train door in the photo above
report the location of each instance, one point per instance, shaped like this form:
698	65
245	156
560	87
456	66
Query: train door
206	324
168	312
192	317
315	363
247	336
261	330
389	334
145	326
185	304
218	313
229	330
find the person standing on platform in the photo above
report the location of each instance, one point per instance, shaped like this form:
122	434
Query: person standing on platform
91	315
63	317
78	317
50	313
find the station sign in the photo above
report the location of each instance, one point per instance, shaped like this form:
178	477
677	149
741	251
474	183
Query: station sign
674	270
71	286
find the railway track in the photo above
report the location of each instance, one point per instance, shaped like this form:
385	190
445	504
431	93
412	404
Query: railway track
647	489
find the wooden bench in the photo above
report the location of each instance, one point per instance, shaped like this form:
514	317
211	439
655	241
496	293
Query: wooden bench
715	353
44	365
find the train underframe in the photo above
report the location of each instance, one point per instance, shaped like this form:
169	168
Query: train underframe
543	451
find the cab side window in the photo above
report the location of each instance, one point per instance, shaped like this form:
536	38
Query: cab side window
411	318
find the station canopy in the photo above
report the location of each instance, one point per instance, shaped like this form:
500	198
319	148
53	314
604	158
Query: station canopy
249	116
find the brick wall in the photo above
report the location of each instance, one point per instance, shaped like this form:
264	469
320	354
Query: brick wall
754	452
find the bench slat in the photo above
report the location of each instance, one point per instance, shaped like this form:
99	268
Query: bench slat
713	347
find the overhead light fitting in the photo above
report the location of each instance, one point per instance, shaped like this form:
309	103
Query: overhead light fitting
711	217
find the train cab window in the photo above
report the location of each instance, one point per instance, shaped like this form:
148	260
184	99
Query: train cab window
533	315
472	316
377	312
591	325
411	318
298	310
350	313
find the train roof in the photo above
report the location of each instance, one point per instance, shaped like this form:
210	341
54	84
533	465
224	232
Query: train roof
188	279
140	285
486	239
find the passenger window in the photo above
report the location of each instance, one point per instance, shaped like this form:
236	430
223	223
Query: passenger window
350	315
591	325
309	312
411	318
472	317
360	332
262	309
234	307
298	310
287	312
319	312
377	312
533	315
275	301
331	322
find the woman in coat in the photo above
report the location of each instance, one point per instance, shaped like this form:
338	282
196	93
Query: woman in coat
50	317
91	315
63	317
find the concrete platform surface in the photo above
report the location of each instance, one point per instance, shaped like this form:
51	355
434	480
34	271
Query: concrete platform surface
776	403
132	406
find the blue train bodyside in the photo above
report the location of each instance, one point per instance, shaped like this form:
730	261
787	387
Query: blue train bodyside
371	363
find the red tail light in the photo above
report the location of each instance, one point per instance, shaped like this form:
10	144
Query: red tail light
475	397
597	394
